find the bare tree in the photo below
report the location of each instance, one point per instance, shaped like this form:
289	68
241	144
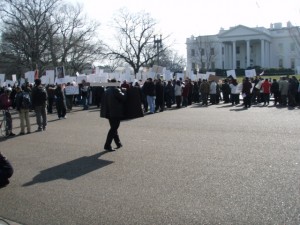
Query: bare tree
26	29
134	39
76	37
49	34
205	52
172	60
295	34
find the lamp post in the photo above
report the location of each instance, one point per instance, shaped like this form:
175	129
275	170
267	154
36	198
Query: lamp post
158	45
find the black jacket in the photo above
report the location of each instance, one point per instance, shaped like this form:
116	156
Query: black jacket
112	103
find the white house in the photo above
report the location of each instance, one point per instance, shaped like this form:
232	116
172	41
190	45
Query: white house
243	47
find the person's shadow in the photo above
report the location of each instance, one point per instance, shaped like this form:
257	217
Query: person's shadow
71	170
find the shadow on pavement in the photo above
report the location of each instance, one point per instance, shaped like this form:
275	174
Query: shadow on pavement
71	170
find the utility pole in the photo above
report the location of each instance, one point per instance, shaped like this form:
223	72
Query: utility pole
158	45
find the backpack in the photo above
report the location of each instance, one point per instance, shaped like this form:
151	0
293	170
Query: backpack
26	101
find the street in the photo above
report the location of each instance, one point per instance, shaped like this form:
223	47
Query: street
195	165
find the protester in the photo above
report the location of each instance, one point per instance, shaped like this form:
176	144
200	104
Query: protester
85	94
235	92
39	102
266	88
275	91
133	104
178	93
112	108
60	101
149	91
159	101
283	89
246	91
204	90
23	105
6	104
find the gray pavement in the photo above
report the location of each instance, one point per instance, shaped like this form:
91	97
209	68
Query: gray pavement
196	165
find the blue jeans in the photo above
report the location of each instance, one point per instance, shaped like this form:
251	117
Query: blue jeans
85	102
151	103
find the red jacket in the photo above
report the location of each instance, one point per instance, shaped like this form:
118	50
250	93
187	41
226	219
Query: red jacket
5	102
266	87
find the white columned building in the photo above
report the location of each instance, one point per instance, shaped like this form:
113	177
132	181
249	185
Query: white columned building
243	47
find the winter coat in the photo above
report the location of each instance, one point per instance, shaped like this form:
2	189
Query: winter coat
112	103
133	105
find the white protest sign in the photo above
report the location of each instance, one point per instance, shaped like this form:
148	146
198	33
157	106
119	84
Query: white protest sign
202	76
49	77
80	78
14	77
179	76
168	75
72	90
10	82
249	73
2	79
29	76
231	73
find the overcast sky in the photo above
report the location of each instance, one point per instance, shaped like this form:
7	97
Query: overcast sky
185	18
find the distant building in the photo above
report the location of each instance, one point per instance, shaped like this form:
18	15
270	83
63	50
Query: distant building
243	47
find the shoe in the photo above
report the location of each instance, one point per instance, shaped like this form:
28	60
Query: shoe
12	134
39	130
21	133
28	132
119	146
44	128
109	149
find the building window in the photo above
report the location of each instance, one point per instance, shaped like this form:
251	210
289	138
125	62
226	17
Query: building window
292	63
193	52
202	51
237	50
203	65
280	47
193	66
280	63
223	50
238	64
293	46
212	65
212	51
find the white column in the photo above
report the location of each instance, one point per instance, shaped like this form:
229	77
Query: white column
262	44
248	53
233	55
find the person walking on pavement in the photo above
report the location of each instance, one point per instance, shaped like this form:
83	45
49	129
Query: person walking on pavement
112	108
39	102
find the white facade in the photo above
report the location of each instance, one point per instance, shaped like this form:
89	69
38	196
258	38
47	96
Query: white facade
243	47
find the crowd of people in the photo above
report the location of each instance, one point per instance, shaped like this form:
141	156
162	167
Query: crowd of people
154	95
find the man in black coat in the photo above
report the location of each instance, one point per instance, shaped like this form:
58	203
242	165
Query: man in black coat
112	108
6	171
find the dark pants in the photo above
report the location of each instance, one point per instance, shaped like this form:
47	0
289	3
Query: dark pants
8	122
178	101
235	99
6	171
61	109
204	98
266	98
247	101
113	133
276	97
